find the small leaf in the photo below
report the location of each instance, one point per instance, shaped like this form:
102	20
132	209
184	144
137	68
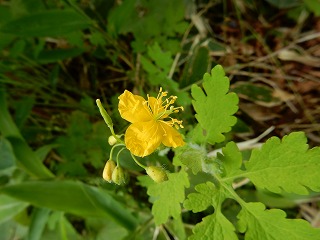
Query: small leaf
285	165
258	223
158	65
200	201
170	194
162	59
231	159
192	157
215	226
207	195
215	106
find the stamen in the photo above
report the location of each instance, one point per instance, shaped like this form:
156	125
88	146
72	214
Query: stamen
162	109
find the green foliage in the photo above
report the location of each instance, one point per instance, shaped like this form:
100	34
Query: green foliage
159	70
38	220
215	106
74	197
193	157
285	165
257	223
10	207
254	92
313	6
169	195
158	20
213	227
47	23
198	64
253	215
82	146
57	56
6	154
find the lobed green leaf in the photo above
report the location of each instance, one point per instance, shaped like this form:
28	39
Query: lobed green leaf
170	194
231	159
206	196
286	165
215	226
258	223
190	156
215	106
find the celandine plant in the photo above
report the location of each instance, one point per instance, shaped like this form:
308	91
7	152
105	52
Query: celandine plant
204	180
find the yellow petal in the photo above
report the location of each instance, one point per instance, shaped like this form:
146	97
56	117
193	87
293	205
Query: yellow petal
132	109
143	138
172	137
156	105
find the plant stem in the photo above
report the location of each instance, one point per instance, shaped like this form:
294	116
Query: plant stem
113	147
117	158
137	162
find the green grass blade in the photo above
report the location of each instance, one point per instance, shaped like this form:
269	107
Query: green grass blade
24	154
73	197
53	22
39	219
7	125
10	207
28	159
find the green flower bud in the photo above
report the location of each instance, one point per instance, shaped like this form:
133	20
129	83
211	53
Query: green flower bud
120	176
108	170
157	174
104	114
112	140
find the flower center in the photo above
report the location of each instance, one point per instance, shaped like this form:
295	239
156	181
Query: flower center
161	110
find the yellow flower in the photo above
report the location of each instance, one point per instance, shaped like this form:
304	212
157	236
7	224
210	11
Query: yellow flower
151	122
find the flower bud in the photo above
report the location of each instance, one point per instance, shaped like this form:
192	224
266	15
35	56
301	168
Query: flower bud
104	114
112	140
120	176
108	169
157	174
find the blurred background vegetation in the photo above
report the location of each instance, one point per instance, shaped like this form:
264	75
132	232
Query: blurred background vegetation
58	56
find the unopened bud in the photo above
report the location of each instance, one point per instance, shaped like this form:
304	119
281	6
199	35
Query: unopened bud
108	170
112	140
157	174
104	114
120	176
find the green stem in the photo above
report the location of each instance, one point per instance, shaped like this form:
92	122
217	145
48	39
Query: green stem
113	147
119	154
231	191
137	162
107	120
